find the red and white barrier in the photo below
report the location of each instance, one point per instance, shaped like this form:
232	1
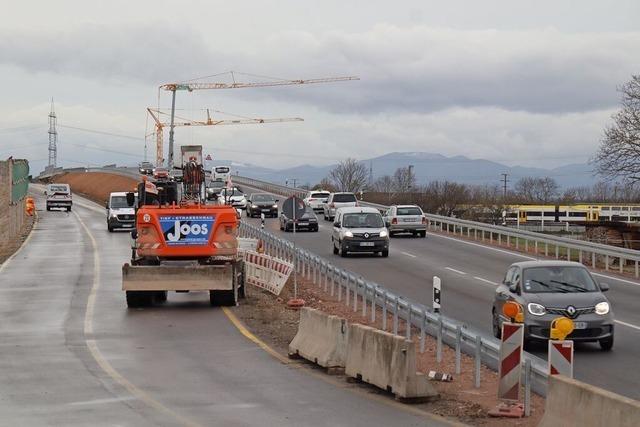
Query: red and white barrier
510	358
561	358
266	272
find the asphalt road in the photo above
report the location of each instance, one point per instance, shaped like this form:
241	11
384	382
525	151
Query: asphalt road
470	273
73	354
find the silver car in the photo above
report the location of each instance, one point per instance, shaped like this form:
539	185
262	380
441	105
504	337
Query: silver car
406	219
550	289
359	230
336	201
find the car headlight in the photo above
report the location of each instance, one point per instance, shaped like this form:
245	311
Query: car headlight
254	206
114	216
383	233
602	308
348	234
313	220
536	309
275	206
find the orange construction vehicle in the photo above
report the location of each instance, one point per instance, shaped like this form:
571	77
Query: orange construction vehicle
182	244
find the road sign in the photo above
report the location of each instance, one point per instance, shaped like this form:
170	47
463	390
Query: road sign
561	357
510	356
288	207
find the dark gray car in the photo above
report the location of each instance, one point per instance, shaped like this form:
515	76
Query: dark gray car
550	289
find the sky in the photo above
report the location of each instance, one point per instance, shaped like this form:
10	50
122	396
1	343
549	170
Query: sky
529	83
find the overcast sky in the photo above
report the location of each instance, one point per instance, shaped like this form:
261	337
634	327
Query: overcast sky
520	82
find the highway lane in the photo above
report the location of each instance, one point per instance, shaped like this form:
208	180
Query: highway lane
73	354
470	272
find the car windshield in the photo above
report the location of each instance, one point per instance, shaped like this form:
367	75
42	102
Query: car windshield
557	280
118	202
409	211
362	220
222	169
343	198
263	198
232	193
319	195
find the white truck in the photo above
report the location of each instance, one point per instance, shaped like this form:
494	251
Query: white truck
58	196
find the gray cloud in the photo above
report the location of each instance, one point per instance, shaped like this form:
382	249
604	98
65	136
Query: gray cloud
418	69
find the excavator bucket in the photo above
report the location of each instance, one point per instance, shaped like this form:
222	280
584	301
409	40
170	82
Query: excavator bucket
177	277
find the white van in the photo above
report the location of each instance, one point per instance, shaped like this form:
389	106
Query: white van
119	213
58	196
221	173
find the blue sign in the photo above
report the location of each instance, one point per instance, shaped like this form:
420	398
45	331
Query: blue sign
187	229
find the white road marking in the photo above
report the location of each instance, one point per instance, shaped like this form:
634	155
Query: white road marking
408	254
455	271
629	325
485	281
103	401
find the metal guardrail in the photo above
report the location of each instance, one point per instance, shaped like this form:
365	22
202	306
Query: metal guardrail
571	249
352	289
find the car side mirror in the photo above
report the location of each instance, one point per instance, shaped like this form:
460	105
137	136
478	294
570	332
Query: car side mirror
106	205
277	200
45	192
336	224
387	223
513	287
604	287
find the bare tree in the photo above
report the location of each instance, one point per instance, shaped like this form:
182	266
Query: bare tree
349	175
325	184
385	185
541	190
404	180
619	152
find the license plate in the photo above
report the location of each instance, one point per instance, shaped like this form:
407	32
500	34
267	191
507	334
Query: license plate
265	210
410	220
579	325
366	243
127	225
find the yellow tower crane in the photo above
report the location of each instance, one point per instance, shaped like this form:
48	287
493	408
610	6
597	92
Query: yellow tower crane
156	114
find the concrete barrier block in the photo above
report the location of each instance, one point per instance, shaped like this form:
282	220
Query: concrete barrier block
387	361
321	339
573	403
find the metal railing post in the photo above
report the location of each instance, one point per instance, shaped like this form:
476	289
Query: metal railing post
423	327
478	354
439	340
458	347
527	387
395	317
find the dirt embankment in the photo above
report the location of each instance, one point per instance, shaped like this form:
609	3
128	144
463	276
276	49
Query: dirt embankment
96	186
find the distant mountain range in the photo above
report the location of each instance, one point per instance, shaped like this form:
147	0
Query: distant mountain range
427	167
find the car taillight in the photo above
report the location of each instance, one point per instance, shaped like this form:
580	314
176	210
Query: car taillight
394	221
424	220
332	205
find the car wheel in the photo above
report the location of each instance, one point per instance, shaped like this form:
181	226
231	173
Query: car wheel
423	234
606	344
281	227
335	249
343	252
495	324
110	228
385	253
